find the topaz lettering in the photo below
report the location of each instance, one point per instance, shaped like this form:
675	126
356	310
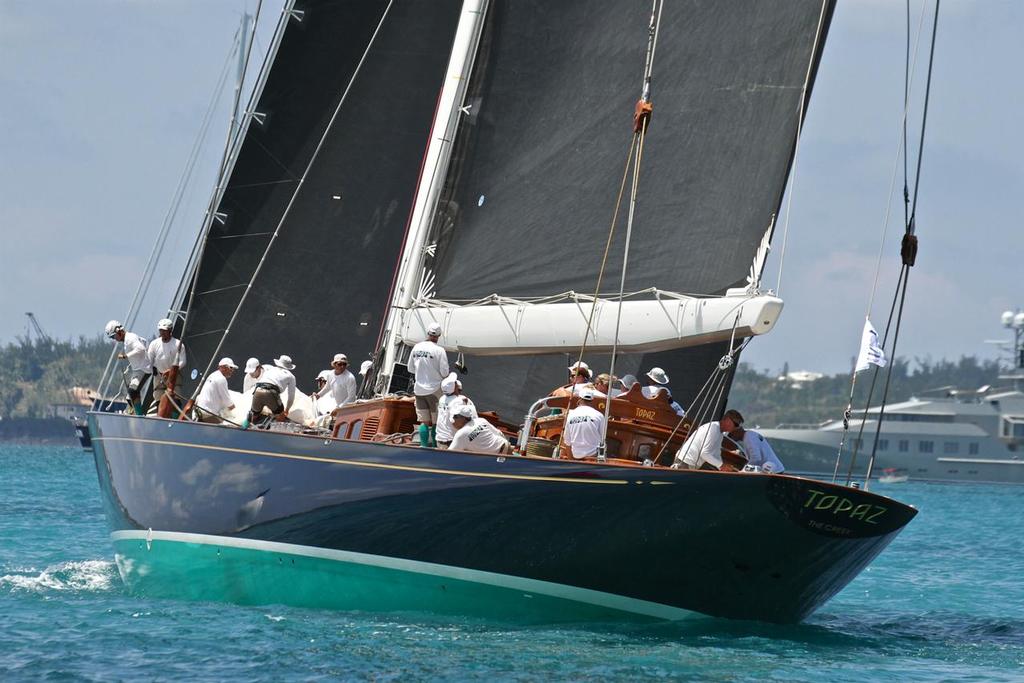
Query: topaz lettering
838	505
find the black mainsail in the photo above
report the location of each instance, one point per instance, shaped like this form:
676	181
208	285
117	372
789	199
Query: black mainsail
323	286
533	181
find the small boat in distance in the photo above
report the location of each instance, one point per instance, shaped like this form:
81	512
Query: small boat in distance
893	475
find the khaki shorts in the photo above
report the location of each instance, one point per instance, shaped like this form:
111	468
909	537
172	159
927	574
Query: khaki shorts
426	407
159	387
266	398
209	418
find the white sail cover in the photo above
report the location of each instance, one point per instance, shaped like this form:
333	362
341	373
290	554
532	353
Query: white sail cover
497	326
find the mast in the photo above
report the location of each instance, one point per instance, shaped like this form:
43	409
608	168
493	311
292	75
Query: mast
412	275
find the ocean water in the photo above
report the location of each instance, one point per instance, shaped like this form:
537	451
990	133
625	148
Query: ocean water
944	602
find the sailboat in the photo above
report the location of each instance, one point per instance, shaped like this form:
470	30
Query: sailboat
458	162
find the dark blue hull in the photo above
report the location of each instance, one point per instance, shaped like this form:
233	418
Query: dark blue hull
746	546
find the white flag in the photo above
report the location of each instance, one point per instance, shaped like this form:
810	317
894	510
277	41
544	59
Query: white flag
871	352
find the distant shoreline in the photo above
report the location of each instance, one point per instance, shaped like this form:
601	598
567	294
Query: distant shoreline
55	431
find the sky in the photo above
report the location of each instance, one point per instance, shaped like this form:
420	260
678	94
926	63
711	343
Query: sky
103	101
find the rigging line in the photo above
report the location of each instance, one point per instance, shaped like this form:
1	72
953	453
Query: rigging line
211	209
901	143
235	123
295	193
158	245
874	379
888	378
600	276
796	145
906	104
178	305
713	396
909	247
637	142
924	121
700	400
642	116
622	279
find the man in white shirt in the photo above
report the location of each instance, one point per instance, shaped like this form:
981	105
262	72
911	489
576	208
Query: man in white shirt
253	371
429	363
584	427
452	400
475	434
166	355
660	388
214	397
341	383
704	445
136	352
273	382
758	451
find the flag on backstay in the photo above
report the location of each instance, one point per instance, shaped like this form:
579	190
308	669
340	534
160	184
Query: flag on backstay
871	352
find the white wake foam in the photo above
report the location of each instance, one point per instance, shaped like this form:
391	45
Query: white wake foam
86	575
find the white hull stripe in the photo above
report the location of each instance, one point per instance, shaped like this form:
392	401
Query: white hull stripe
555	590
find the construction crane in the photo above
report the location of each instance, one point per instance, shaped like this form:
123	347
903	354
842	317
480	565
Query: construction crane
34	328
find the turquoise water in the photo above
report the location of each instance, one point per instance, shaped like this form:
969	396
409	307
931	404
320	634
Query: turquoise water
944	602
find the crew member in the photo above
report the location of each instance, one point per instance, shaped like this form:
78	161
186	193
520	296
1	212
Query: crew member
604	385
137	355
452	400
253	371
660	388
429	363
322	404
757	449
475	434
704	445
214	397
166	356
579	378
341	383
273	382
584	427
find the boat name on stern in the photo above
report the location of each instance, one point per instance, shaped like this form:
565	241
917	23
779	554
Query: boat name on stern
833	513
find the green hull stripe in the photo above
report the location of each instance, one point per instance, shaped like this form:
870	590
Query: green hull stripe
250	571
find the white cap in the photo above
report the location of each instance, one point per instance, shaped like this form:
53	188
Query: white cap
579	365
586	394
164	324
284	362
464	411
225	361
628	381
252	364
339	358
449	383
365	367
325	375
111	328
434	329
658	376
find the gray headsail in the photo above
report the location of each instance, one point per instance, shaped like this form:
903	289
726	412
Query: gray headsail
533	181
323	286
